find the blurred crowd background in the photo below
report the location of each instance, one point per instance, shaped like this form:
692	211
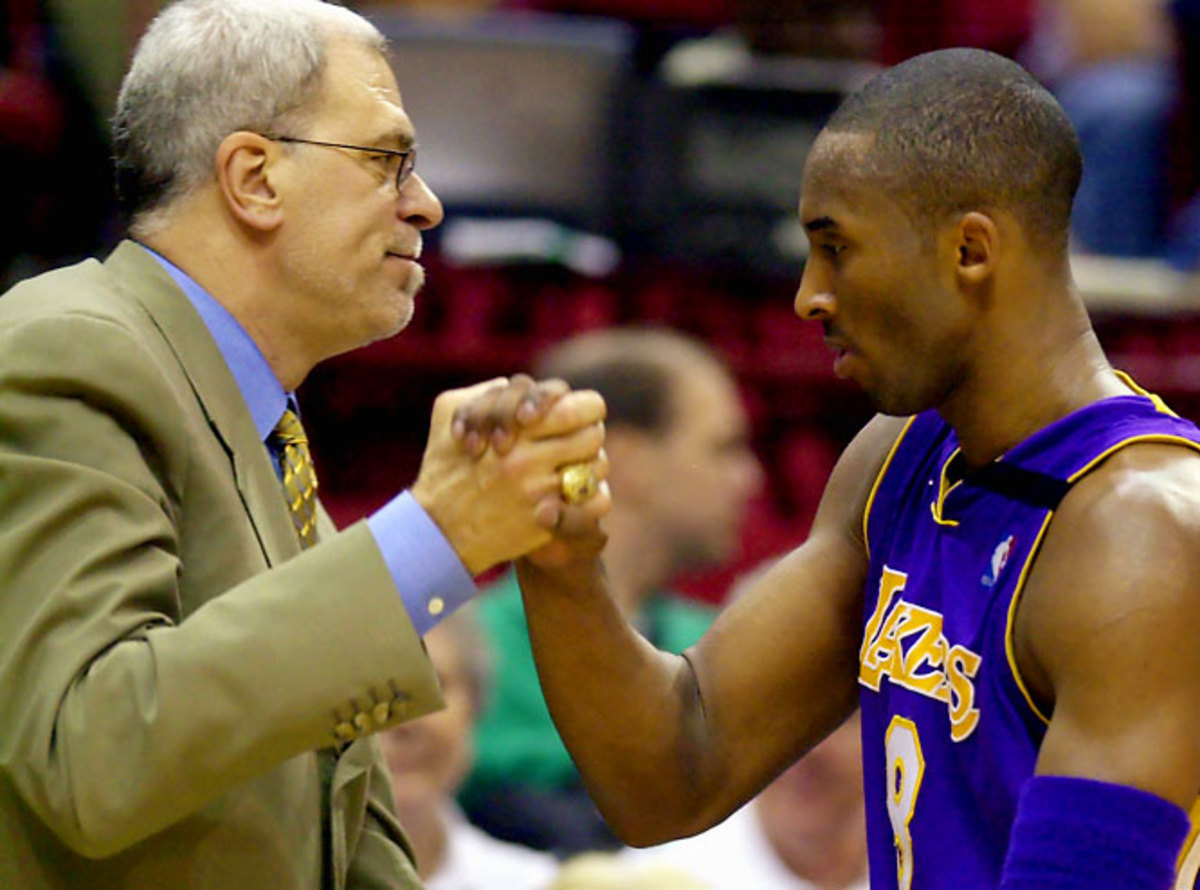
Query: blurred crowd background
610	162
636	163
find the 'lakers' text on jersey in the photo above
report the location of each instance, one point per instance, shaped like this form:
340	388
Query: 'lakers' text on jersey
950	733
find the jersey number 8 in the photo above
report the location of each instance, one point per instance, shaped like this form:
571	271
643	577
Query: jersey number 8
906	767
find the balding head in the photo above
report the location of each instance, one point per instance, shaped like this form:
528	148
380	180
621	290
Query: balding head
635	369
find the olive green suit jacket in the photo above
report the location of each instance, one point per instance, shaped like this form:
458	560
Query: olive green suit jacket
175	675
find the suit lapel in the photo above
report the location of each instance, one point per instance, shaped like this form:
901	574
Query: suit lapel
149	284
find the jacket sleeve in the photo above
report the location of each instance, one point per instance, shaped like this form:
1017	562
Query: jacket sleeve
131	696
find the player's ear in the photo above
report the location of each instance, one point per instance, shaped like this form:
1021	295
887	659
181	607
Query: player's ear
976	245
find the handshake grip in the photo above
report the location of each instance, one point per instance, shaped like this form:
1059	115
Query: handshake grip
511	464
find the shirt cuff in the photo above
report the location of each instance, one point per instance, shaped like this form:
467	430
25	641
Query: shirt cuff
430	577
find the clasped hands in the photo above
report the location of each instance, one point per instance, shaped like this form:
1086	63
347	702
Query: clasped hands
515	467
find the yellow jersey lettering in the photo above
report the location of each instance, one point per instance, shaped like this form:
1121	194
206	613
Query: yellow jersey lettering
927	650
962	664
890	584
906	643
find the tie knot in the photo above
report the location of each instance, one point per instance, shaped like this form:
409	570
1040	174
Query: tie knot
289	430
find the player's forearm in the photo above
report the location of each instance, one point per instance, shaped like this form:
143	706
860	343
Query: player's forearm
628	713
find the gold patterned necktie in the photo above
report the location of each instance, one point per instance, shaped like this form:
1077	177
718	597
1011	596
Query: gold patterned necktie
299	479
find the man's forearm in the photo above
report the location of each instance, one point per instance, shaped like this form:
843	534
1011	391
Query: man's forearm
629	714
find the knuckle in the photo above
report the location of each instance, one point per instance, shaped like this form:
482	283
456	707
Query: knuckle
553	387
515	466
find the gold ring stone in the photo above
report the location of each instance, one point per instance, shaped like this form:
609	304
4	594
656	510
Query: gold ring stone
578	483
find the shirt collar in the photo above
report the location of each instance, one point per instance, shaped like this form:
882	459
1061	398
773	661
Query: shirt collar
261	389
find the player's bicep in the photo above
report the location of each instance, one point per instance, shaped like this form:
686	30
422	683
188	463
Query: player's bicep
1110	621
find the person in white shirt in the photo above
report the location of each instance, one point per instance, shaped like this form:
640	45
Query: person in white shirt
804	831
428	759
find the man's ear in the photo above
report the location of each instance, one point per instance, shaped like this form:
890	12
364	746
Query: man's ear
977	245
244	169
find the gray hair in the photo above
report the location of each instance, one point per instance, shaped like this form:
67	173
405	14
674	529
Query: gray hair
208	68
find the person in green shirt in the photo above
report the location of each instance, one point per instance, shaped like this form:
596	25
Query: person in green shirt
682	474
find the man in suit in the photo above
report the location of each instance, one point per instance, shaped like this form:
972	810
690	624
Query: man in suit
192	665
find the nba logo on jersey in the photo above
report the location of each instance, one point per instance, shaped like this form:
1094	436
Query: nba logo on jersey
999	560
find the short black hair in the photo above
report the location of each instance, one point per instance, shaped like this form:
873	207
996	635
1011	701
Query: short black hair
963	129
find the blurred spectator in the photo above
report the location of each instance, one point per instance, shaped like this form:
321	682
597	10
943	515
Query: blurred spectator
763	30
804	831
659	24
1110	64
57	185
697	14
439	9
682	476
1184	233
428	758
810	28
607	871
908	29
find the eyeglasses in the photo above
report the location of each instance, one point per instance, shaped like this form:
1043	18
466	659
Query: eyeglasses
408	157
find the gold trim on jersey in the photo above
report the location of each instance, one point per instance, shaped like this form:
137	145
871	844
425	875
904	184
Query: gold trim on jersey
1150	438
945	486
879	481
1019	589
871	673
1159	404
1187	867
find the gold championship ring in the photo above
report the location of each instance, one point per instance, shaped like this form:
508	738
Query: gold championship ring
578	483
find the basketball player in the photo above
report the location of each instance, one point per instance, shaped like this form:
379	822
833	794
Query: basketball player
1004	572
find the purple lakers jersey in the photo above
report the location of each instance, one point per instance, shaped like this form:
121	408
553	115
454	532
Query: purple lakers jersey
950	732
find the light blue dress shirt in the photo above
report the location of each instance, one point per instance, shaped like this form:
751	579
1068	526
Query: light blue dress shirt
428	574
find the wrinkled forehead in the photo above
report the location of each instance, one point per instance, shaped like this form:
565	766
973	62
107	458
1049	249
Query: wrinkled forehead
360	88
